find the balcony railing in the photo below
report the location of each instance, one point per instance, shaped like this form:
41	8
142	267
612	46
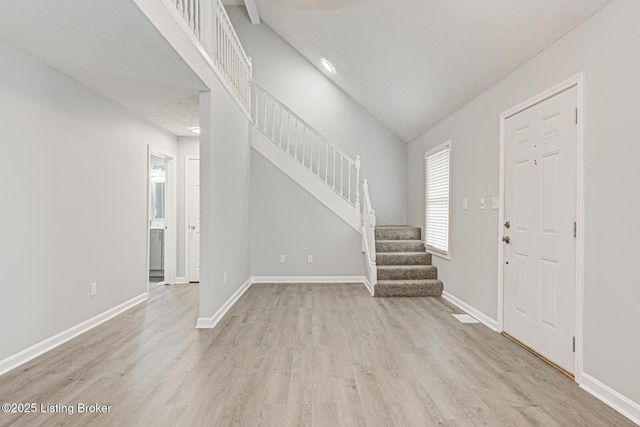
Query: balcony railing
209	23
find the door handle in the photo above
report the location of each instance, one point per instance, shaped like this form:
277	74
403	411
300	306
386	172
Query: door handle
507	224
506	239
193	227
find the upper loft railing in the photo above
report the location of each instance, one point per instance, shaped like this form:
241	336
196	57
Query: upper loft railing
230	57
302	142
210	25
191	11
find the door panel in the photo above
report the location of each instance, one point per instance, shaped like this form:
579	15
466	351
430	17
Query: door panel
540	203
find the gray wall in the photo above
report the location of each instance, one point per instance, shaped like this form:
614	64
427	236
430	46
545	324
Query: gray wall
311	95
187	146
224	198
606	48
73	180
287	220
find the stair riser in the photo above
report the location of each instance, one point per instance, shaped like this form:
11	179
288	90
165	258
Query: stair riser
408	274
404	233
394	259
430	290
391	246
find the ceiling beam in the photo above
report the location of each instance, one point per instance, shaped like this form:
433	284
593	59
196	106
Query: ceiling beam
252	10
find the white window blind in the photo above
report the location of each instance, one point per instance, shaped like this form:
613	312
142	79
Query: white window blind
437	164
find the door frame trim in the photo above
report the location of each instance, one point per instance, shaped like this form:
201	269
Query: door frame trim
170	243
578	82
187	241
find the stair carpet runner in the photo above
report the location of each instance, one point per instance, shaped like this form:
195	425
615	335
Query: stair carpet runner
404	267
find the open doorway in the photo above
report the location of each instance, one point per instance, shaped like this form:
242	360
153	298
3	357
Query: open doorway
157	217
161	220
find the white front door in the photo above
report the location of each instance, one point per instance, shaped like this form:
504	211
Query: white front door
193	201
540	207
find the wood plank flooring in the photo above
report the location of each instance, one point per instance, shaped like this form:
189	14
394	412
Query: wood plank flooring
299	355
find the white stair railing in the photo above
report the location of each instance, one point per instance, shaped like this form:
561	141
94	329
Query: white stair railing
297	138
369	235
230	57
191	11
214	33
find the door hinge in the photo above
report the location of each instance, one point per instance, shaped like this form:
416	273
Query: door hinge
574	344
575	229
575	116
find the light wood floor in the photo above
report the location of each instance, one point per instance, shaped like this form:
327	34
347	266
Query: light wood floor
299	355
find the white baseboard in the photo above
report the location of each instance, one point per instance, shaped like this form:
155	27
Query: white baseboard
181	280
308	279
211	322
368	284
474	312
617	401
42	347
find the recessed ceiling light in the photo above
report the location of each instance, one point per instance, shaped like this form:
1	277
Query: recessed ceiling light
195	130
328	66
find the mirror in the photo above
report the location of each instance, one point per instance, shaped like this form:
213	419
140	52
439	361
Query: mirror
158	202
157	180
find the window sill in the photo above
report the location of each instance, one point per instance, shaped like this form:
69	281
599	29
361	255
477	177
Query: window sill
438	253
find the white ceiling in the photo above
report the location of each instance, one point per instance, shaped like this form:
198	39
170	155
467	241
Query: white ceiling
411	63
111	47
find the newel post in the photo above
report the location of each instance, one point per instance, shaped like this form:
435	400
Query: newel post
358	182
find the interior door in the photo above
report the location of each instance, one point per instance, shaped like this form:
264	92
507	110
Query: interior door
193	195
540	214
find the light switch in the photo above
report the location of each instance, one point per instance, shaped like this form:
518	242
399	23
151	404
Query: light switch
495	202
482	203
464	204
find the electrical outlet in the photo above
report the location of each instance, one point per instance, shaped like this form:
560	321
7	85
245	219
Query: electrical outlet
465	204
283	258
225	278
482	203
94	289
310	259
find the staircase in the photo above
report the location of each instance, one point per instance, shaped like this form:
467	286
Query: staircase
403	267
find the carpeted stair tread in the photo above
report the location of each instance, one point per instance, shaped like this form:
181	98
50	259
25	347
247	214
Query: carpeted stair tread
399	246
403	258
397	233
408	288
407	272
403	264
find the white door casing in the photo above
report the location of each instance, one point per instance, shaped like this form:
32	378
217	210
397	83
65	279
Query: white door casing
192	183
540	199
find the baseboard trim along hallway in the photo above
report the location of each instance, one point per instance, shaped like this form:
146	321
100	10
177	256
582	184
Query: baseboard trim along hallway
617	401
308	279
474	312
211	322
50	343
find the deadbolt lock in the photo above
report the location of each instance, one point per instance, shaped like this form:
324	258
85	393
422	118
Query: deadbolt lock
507	224
506	239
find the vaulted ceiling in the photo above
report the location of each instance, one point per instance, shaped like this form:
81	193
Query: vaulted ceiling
411	63
408	62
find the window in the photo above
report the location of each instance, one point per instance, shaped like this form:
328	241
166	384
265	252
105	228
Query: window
437	168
